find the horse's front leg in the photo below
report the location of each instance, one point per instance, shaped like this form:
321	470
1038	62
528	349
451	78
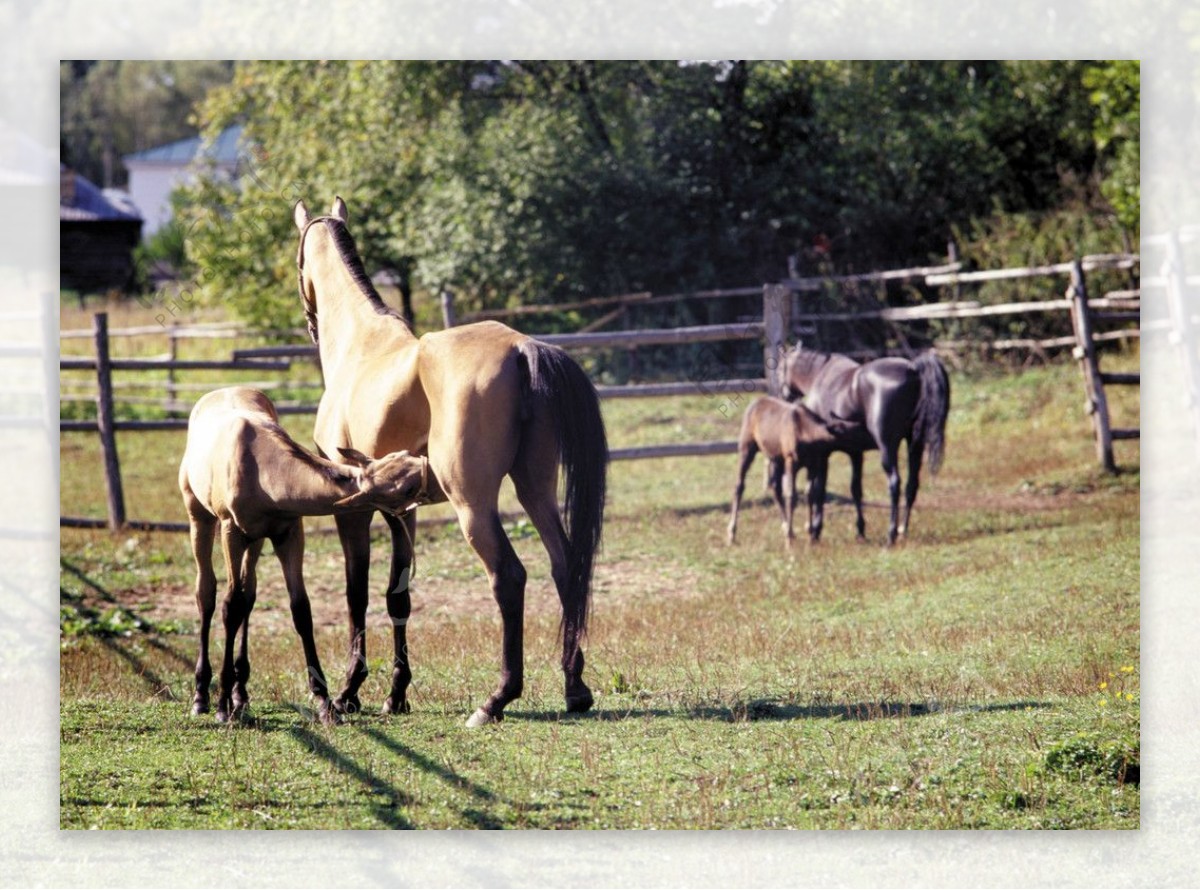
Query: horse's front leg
289	548
399	607
484	533
818	470
354	530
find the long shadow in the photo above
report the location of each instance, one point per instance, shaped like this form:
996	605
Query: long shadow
766	709
477	818
385	813
156	684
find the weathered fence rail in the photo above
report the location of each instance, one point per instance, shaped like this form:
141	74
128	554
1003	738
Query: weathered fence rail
774	331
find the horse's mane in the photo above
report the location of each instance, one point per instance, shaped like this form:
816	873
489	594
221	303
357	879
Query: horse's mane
348	252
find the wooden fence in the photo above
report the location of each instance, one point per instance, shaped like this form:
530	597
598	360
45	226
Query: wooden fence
782	312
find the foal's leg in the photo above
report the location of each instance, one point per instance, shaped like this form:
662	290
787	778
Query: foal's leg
241	667
289	548
233	614
789	493
354	529
777	486
745	458
856	492
399	607
203	531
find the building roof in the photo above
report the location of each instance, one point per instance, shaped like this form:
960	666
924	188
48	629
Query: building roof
223	151
81	201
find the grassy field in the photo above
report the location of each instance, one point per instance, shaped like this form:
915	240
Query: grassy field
983	675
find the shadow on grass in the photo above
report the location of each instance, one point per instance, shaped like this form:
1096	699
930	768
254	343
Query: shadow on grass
386	812
156	684
766	709
477	818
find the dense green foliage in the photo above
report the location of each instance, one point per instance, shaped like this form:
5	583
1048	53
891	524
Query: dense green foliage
520	182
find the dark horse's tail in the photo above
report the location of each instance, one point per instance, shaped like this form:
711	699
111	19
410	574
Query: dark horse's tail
929	426
557	381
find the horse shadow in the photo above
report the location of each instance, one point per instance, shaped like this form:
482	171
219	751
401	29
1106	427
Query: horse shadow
776	710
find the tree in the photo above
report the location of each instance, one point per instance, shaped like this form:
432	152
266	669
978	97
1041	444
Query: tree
519	181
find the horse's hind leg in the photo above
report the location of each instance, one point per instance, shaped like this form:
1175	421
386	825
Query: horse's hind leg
241	667
745	458
481	527
289	548
233	613
916	450
543	513
354	530
399	607
889	459
203	532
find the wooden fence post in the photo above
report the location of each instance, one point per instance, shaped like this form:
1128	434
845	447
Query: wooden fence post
173	354
777	323
105	421
449	316
1085	352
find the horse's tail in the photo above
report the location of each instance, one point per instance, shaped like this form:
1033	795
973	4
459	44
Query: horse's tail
557	381
929	426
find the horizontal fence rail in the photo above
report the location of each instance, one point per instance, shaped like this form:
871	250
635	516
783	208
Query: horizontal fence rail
780	312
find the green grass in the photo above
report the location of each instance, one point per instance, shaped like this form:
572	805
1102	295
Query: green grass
983	675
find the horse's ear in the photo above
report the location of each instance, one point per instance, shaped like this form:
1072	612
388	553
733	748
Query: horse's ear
300	215
340	211
355	457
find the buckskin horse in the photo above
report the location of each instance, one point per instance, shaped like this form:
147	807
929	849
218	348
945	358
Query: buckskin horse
894	400
243	473
482	401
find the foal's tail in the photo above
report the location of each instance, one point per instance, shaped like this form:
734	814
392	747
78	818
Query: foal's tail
929	426
557	381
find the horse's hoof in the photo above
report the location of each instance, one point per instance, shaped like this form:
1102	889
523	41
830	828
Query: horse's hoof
199	707
327	714
347	704
390	707
483	718
580	702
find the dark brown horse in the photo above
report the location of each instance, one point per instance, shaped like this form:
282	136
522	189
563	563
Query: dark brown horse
483	402
790	437
893	400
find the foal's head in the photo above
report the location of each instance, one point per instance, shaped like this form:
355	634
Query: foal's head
393	483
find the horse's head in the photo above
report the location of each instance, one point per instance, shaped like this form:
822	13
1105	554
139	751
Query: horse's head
795	379
394	483
304	222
